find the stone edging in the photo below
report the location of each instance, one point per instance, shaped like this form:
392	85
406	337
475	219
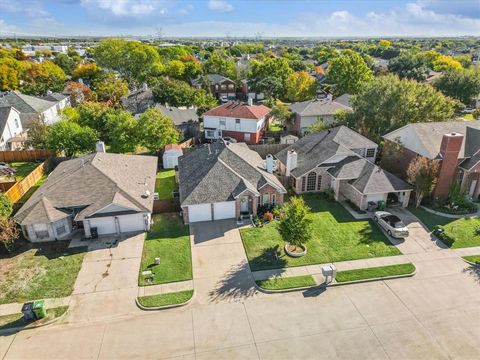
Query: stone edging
14	329
145	308
449	216
323	285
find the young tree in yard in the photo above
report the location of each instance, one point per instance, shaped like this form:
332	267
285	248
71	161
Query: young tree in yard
71	138
389	103
122	130
301	86
463	85
9	232
349	73
155	130
422	174
38	134
6	206
317	126
281	113
295	226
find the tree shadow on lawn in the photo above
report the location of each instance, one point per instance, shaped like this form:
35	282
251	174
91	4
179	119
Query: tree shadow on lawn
270	258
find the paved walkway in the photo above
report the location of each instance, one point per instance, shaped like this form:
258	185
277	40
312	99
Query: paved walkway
16	308
165	288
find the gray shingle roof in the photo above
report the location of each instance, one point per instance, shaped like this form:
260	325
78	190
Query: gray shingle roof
179	116
26	103
375	180
213	78
314	149
425	138
469	164
220	172
4	114
91	183
318	107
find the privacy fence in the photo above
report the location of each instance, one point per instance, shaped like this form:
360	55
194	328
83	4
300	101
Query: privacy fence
26	155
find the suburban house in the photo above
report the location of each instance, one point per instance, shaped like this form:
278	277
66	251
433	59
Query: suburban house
454	144
308	112
62	100
220	86
226	180
100	193
243	122
136	102
10	127
185	120
32	107
249	93
341	160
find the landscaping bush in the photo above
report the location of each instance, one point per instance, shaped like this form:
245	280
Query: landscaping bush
295	227
457	202
6	206
440	232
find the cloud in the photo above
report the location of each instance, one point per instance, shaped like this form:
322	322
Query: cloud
220	6
7	29
128	8
186	10
30	8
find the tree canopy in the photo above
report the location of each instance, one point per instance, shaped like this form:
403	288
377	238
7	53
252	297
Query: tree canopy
301	86
463	85
155	130
71	138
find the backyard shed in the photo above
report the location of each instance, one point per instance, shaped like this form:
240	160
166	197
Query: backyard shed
170	156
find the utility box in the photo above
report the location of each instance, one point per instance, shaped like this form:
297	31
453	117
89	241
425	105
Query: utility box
329	270
39	309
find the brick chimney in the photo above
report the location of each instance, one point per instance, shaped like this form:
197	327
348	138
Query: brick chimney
449	150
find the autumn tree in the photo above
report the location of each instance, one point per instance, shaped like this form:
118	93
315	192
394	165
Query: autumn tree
349	73
422	174
9	232
110	88
88	72
79	93
8	78
155	130
37	79
301	86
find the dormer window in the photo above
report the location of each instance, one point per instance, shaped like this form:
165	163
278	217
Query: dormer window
370	153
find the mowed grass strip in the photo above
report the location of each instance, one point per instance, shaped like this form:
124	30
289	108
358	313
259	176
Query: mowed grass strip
474	259
165	184
23	169
465	232
168	240
176	298
283	283
336	236
375	272
40	271
17	320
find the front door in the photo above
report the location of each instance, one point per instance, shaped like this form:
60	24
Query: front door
473	185
244	204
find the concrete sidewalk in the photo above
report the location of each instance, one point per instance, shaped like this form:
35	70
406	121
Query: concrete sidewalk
16	308
165	288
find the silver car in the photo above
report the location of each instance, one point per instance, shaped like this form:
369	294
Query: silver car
392	224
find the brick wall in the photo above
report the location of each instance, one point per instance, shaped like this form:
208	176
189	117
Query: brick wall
351	194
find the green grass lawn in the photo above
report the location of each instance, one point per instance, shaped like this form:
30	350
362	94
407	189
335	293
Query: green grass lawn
47	270
336	236
375	272
274	127
23	169
17	320
286	283
473	259
462	231
468	117
166	299
165	184
169	240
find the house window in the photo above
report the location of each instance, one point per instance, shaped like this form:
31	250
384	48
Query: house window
223	122
210	134
266	198
17	125
216	87
223	86
61	230
370	153
274	199
311	181
304	182
247	137
294	182
319	183
237	121
230	86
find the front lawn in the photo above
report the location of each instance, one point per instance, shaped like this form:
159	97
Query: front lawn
176	298
282	283
337	236
168	240
274	127
375	272
165	184
463	232
475	259
42	271
23	169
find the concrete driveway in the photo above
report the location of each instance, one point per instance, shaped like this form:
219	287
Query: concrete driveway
220	267
107	283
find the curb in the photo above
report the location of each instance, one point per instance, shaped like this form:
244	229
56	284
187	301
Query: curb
144	308
471	262
16	329
323	285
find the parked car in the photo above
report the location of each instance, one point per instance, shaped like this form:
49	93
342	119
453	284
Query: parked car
392	224
224	99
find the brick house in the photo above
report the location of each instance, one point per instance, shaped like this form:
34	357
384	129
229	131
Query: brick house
226	181
340	159
455	145
220	86
241	121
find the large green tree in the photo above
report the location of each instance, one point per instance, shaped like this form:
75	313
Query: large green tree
37	79
122	128
270	77
93	115
155	130
388	103
301	86
349	73
463	85
409	66
110	88
71	138
217	64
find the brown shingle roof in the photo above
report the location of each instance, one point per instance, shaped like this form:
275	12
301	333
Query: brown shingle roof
239	110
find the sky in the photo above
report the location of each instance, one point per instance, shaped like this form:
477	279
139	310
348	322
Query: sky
259	18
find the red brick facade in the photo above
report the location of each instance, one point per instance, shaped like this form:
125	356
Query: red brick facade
449	149
240	136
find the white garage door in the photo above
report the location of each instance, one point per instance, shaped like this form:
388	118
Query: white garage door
129	223
224	210
104	225
200	212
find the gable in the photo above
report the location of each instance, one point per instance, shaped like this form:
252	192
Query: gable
112	208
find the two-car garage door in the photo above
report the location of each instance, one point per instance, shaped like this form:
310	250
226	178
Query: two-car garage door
207	212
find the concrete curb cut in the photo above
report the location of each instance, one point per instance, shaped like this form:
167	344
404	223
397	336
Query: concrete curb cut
267	291
16	329
144	308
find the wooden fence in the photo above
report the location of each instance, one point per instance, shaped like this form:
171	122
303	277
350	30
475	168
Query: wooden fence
16	192
265	149
4	186
26	155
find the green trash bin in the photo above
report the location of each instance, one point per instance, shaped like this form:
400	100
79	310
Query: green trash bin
39	309
381	205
